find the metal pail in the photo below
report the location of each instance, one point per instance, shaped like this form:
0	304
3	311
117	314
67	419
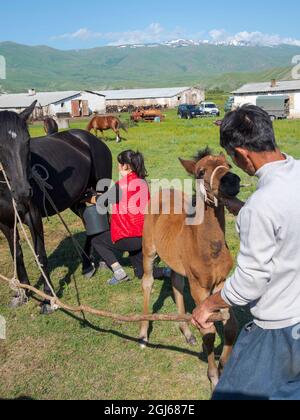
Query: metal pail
94	222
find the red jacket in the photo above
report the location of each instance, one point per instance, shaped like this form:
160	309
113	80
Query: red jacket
129	214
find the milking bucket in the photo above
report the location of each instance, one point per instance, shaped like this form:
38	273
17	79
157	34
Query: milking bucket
93	221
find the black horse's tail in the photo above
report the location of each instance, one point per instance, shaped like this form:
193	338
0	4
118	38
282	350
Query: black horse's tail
122	125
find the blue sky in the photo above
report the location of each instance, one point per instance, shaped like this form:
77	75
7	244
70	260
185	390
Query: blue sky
67	24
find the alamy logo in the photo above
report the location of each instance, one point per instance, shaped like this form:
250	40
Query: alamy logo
2	68
296	332
296	68
2	328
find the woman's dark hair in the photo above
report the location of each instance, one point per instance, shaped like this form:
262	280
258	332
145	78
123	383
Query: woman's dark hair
249	127
135	160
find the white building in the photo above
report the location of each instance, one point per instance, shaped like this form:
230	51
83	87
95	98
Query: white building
165	97
70	103
248	94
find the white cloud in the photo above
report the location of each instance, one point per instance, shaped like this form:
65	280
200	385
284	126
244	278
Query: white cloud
82	34
156	33
152	34
252	38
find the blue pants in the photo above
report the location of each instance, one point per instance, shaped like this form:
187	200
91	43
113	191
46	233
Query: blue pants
265	365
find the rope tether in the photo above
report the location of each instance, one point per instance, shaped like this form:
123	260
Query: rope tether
56	304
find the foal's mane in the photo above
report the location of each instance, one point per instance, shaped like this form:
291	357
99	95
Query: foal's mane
203	153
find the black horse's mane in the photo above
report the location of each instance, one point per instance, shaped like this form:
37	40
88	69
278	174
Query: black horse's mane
203	153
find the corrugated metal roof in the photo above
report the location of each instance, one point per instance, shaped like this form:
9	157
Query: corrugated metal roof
281	86
23	100
142	93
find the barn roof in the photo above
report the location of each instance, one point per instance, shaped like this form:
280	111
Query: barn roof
23	100
281	86
143	93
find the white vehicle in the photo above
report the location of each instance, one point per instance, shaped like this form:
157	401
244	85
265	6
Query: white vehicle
210	108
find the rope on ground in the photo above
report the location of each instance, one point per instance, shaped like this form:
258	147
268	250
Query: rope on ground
218	317
15	284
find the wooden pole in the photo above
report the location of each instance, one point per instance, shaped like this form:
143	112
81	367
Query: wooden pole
218	317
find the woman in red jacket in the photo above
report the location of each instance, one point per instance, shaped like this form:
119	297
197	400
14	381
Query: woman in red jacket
127	220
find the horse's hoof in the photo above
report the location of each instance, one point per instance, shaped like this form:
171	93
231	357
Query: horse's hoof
18	302
192	341
46	309
143	343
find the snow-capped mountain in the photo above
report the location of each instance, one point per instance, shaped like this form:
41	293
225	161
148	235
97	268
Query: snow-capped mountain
181	43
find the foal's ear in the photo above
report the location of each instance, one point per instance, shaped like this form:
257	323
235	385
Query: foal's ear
189	166
25	115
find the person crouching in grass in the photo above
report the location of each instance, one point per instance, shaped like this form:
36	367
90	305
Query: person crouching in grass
130	198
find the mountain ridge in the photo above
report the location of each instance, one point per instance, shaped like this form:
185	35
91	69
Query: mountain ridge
111	67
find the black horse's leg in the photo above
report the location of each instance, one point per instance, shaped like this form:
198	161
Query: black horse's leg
21	270
35	224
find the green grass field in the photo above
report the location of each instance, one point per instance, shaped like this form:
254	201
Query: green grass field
68	357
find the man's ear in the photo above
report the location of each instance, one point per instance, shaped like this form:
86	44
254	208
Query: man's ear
189	166
242	153
244	161
25	115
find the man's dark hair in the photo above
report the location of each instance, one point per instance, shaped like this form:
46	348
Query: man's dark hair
249	127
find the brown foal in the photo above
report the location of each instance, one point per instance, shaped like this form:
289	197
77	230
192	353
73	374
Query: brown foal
198	252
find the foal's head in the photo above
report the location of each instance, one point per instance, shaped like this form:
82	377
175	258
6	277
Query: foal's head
15	153
215	171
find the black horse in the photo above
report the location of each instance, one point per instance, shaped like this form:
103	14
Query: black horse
70	163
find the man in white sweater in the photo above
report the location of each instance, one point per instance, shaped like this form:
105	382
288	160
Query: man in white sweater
265	363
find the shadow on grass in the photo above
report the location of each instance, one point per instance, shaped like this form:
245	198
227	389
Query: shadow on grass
65	256
111	139
87	324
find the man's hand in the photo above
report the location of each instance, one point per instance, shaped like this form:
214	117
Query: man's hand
201	316
233	205
204	311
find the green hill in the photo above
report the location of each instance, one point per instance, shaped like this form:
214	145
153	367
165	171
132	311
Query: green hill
223	67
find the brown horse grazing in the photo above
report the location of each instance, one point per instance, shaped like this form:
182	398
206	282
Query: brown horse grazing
50	126
104	123
198	251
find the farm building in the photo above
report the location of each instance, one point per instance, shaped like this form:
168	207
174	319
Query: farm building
164	97
70	103
249	93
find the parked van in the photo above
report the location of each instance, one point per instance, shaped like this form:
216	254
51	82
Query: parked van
210	108
277	106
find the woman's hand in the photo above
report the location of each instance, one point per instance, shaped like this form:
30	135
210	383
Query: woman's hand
92	200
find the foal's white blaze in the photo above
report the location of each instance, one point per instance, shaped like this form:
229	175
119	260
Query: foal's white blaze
12	134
